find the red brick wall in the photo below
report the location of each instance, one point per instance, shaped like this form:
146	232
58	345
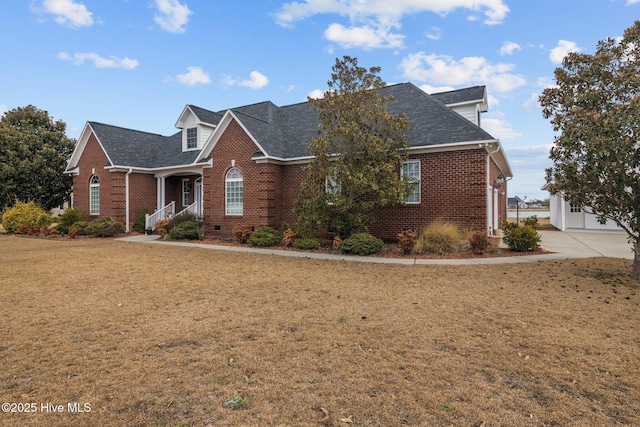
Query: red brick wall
142	187
453	189
262	183
93	158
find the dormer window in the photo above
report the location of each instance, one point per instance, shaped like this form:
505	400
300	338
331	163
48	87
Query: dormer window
192	138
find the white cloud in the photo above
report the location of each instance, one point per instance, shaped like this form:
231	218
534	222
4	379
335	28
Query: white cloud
194	76
508	48
173	16
494	11
365	37
256	81
434	34
630	2
444	70
3	109
67	13
499	128
372	22
558	53
316	94
533	102
112	62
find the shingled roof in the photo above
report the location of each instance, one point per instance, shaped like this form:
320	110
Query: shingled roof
285	132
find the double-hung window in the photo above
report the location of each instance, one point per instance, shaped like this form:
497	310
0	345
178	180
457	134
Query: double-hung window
192	138
234	184
411	173
186	192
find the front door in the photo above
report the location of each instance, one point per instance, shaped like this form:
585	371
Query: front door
197	195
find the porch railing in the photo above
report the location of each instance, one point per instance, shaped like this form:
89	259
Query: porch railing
192	208
160	214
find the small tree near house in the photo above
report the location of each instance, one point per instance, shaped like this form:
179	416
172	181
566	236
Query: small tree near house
358	153
595	109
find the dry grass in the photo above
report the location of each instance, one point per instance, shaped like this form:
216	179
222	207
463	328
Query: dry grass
155	335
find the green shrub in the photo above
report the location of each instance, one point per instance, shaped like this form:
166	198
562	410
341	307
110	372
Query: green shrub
68	218
105	227
185	230
307	243
82	228
479	241
532	221
522	239
361	244
140	225
440	238
265	236
24	216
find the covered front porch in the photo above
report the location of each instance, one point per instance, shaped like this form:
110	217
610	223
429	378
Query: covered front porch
177	194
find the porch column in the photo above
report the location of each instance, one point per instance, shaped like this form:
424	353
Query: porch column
160	193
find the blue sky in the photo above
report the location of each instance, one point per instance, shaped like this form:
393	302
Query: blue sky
137	63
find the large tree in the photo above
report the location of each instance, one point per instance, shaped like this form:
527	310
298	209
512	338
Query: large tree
358	153
595	110
34	151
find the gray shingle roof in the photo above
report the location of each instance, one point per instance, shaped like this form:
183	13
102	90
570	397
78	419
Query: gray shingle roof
132	148
285	132
458	96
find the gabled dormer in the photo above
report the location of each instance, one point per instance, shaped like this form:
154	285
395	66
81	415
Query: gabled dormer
197	124
468	102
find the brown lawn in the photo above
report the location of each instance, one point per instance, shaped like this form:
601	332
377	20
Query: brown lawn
153	335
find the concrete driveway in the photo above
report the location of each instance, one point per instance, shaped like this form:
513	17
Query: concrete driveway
587	243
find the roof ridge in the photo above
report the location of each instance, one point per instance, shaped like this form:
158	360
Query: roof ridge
128	129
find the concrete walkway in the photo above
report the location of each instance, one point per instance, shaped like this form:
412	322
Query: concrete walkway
563	245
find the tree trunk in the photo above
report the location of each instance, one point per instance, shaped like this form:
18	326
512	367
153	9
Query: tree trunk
635	275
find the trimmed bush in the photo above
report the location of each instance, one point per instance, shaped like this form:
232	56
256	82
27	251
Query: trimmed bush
242	231
24	217
185	230
68	218
407	240
361	244
105	227
140	225
532	221
265	236
82	228
441	238
307	243
479	242
522	239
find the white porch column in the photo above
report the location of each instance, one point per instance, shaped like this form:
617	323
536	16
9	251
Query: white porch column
160	203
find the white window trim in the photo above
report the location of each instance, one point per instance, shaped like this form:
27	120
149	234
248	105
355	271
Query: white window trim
228	180
186	192
186	141
419	181
94	185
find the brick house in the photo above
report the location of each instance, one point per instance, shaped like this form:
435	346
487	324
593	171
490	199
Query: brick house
246	164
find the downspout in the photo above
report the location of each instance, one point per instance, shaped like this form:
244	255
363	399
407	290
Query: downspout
489	202
126	201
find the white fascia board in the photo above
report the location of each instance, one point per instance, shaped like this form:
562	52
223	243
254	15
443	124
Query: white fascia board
79	149
210	144
180	120
164	171
281	161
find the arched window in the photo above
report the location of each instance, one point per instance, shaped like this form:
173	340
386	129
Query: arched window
94	195
235	191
